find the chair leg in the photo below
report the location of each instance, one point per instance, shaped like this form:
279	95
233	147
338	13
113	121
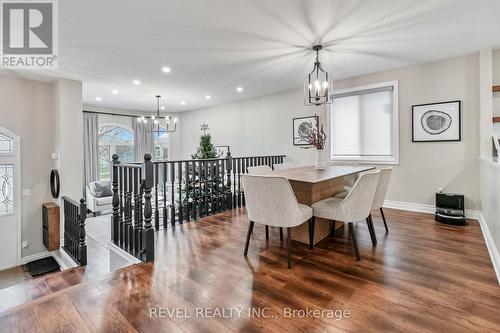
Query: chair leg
281	234
371	229
267	232
354	241
289	241
249	233
383	218
333	231
311	232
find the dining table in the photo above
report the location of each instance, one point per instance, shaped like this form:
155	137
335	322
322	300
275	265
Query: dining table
311	185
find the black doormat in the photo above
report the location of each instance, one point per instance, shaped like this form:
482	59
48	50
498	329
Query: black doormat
43	266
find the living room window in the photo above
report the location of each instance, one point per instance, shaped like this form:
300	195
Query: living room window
114	139
363	124
161	144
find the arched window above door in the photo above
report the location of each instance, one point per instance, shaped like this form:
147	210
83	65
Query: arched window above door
6	144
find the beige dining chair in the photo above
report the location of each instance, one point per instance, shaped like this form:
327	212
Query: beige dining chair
380	193
271	201
263	170
283	166
355	207
259	170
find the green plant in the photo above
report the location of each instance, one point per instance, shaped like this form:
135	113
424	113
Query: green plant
205	149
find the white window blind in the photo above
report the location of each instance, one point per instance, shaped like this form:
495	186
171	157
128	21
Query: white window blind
363	124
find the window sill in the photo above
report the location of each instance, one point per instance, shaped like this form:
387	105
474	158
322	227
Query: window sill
378	162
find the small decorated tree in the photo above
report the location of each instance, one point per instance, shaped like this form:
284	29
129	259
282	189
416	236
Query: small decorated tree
205	184
205	149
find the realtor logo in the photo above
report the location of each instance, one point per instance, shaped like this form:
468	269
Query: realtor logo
29	34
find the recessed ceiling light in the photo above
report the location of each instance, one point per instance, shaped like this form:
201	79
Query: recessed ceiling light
166	69
98	99
239	89
114	92
163	108
208	96
183	103
137	82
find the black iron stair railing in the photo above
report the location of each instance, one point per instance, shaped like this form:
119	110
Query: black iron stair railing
75	214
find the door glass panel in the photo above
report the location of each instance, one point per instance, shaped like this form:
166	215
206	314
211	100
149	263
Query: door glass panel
6	189
5	144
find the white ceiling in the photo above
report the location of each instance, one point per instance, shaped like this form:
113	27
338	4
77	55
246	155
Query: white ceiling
213	46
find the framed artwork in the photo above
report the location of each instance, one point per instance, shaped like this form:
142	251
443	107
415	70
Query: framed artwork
302	127
222	151
436	122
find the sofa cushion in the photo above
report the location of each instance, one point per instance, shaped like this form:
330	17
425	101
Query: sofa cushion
105	201
101	189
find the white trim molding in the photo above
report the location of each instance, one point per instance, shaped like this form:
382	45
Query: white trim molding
125	255
490	244
423	208
36	256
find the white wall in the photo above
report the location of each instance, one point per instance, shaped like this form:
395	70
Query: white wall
69	137
259	126
27	109
264	126
490	169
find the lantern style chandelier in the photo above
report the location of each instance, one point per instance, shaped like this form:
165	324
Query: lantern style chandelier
158	120
317	86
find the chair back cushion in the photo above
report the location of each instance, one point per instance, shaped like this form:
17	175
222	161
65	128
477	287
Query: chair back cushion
383	184
270	200
283	166
358	203
259	170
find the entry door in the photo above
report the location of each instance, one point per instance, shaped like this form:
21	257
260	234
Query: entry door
10	205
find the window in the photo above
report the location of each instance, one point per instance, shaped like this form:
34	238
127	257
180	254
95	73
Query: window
6	189
114	139
364	124
161	144
5	144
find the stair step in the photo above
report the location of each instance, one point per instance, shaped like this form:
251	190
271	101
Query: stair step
40	286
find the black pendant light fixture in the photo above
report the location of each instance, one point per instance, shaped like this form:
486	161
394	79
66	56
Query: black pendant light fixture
317	87
169	128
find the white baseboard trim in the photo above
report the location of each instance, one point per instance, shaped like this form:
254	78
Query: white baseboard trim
63	259
492	249
36	256
124	254
423	208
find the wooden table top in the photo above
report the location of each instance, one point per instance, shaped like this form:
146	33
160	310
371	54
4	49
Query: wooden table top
309	174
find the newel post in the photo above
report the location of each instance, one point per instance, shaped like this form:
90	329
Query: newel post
82	247
229	169
148	183
115	219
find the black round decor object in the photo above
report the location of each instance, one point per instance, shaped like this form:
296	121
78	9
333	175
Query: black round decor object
55	184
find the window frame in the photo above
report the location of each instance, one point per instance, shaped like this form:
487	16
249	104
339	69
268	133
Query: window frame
112	146
395	121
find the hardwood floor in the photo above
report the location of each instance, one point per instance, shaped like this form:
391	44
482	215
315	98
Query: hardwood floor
421	277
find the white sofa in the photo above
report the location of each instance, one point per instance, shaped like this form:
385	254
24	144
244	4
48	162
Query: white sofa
97	205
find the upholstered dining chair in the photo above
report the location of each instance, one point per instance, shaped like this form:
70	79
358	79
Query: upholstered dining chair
355	207
283	166
259	170
378	200
263	170
271	201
